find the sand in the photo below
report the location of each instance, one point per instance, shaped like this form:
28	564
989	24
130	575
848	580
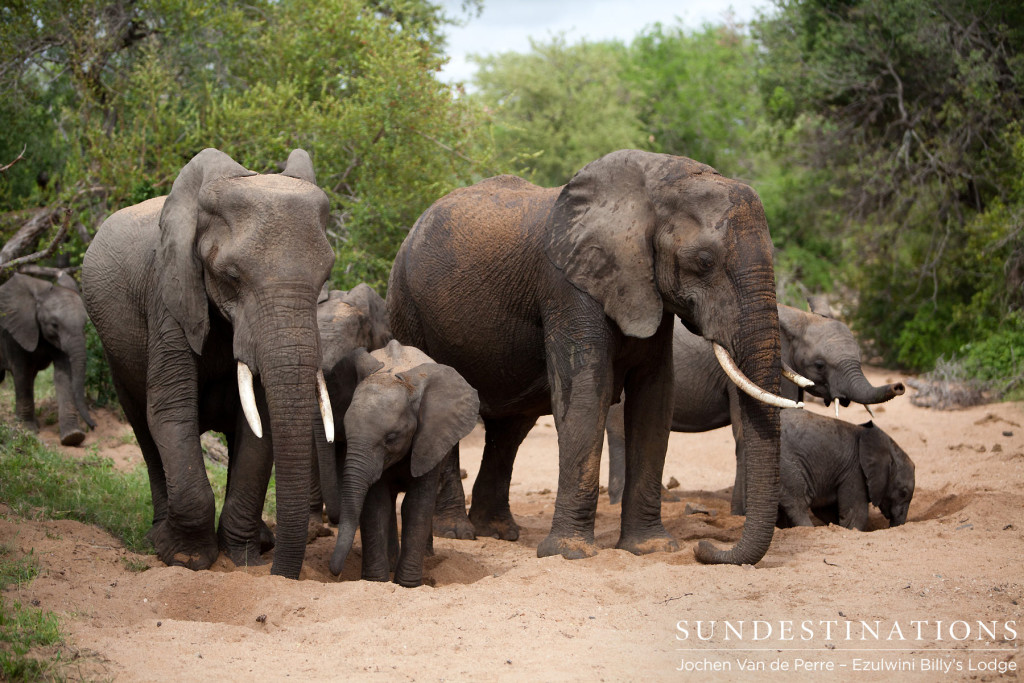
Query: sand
492	610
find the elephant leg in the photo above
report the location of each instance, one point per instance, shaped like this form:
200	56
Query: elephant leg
853	503
648	417
241	520
490	513
186	537
67	411
739	486
25	396
615	430
450	518
417	515
324	451
581	392
374	531
136	415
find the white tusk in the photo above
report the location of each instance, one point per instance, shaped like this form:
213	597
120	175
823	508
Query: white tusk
325	406
797	379
248	397
748	387
868	408
837	409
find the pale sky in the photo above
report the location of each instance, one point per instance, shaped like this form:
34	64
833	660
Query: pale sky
507	25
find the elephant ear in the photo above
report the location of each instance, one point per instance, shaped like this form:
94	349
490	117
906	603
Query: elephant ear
367	301
819	305
601	233
19	306
181	271
300	166
874	461
448	408
68	282
364	364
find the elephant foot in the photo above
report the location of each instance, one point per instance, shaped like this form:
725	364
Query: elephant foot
74	437
501	525
244	555
408	582
569	547
453	524
176	548
316	529
656	541
267	540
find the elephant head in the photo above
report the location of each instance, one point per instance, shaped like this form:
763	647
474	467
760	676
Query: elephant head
824	350
252	249
889	473
39	314
646	233
405	407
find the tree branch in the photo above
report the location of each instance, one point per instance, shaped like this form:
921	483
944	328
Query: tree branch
45	253
3	169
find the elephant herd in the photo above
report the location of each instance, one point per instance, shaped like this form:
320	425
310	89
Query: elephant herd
638	298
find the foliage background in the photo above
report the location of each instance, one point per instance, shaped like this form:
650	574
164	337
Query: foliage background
883	136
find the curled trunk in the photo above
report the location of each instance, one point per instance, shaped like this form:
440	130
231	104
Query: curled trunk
854	386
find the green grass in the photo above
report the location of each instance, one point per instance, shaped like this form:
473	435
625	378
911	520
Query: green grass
24	628
38	482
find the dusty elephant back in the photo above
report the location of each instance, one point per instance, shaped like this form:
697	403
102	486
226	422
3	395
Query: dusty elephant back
124	257
461	245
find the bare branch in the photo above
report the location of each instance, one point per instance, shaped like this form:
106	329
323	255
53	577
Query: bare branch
48	251
3	169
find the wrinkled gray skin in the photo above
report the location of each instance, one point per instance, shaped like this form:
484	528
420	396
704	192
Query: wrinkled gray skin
836	468
226	269
43	323
815	345
347	321
405	415
555	300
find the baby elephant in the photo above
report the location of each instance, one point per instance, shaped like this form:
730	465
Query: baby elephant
834	466
406	414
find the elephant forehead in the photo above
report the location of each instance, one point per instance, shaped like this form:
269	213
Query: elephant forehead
265	196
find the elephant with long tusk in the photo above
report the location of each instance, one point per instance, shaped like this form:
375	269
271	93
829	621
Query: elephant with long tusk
555	300
206	303
815	345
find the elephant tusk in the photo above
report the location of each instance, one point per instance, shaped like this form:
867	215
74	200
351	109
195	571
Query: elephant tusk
796	378
325	406
744	383
248	397
837	409
870	412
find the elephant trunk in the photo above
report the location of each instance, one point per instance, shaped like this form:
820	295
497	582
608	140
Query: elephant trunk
757	351
358	476
76	356
854	386
288	367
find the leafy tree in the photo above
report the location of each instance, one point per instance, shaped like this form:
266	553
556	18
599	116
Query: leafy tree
907	109
558	107
113	97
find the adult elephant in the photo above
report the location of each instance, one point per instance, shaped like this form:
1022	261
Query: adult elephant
43	323
815	345
552	300
194	294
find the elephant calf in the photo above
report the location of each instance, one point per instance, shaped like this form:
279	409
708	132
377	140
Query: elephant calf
405	415
43	323
830	465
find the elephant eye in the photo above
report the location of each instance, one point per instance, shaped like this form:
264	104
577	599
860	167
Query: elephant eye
819	365
391	437
705	261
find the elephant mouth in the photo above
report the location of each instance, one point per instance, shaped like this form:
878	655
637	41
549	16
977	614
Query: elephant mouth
247	395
